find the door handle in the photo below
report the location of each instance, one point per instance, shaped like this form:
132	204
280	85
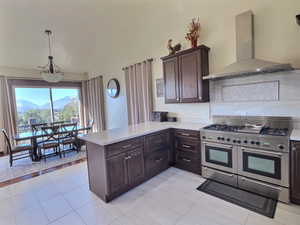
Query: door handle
126	146
186	160
262	151
186	146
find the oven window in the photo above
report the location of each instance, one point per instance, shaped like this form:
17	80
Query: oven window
219	156
262	165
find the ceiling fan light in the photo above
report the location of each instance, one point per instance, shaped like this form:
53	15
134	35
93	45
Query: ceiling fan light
52	77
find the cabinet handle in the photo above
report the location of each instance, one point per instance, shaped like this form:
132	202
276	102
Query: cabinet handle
126	146
128	157
294	149
186	146
186	160
185	134
158	160
177	99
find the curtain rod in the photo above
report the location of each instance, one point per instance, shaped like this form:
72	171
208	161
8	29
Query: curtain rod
150	60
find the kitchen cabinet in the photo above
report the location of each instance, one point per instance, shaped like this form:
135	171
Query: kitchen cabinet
295	172
117	173
187	150
183	73
116	168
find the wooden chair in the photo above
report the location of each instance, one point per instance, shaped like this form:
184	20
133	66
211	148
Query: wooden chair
18	151
69	137
81	142
50	140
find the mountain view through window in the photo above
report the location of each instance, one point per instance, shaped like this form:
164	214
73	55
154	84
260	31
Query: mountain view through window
45	105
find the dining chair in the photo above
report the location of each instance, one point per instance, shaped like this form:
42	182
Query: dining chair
69	137
17	152
50	141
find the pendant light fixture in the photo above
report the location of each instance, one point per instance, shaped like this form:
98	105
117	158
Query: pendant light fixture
51	72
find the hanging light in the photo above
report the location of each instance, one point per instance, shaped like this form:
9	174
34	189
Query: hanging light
51	72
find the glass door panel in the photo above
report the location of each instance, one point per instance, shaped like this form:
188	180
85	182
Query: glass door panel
262	165
32	106
66	104
218	156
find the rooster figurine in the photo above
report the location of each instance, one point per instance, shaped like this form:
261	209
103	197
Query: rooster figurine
173	50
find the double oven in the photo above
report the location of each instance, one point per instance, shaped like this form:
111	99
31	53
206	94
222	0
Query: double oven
250	162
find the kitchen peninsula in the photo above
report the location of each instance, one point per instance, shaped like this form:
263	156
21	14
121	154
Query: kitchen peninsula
120	159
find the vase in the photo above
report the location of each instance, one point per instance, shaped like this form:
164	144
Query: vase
194	43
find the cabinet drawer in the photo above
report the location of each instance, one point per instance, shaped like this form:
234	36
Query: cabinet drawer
123	146
156	162
157	141
191	134
187	145
188	161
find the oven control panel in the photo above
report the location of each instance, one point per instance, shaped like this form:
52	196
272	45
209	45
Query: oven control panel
280	144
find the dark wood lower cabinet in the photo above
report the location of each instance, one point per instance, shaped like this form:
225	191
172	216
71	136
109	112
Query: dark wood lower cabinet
187	150
295	172
116	168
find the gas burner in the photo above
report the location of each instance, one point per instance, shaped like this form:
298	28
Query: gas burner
275	131
223	127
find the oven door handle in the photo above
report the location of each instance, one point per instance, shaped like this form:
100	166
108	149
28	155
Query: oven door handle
262	152
218	145
262	184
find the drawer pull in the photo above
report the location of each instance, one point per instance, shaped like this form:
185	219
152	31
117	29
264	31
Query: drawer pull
126	146
128	157
159	160
186	146
185	134
186	160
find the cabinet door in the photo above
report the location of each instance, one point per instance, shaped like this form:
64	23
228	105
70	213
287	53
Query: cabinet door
117	173
170	68
190	77
135	165
295	172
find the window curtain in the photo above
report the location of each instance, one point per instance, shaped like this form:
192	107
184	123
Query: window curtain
138	79
93	103
7	115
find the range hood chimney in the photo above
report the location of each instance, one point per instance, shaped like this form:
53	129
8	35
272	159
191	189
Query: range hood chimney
246	63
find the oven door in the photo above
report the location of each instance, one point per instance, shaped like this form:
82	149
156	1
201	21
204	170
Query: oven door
268	166
219	156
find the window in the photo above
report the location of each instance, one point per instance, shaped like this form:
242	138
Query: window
45	105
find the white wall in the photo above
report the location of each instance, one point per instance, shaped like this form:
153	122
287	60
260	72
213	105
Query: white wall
141	31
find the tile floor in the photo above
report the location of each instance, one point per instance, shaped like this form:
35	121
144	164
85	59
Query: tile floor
63	198
26	166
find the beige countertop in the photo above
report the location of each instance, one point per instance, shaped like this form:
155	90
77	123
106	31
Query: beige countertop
295	135
112	136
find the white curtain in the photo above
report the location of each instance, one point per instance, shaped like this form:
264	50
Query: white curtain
138	78
7	116
93	103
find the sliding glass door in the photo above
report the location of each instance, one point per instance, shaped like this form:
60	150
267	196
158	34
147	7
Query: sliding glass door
45	105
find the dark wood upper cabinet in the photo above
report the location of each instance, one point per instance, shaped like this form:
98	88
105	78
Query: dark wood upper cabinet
183	74
295	172
171	78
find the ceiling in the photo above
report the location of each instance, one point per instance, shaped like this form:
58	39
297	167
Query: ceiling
23	42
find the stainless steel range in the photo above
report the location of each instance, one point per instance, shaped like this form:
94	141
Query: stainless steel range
251	153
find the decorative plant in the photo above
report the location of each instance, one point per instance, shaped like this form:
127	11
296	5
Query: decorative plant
194	32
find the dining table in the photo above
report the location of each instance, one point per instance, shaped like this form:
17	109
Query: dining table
33	136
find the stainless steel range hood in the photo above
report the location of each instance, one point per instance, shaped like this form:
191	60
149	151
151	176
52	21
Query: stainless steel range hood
246	63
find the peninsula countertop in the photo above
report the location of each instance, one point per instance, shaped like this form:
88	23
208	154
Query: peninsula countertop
112	136
295	135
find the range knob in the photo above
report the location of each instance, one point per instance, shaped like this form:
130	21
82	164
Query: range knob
203	137
219	138
228	139
252	142
223	139
281	147
234	141
238	141
245	141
